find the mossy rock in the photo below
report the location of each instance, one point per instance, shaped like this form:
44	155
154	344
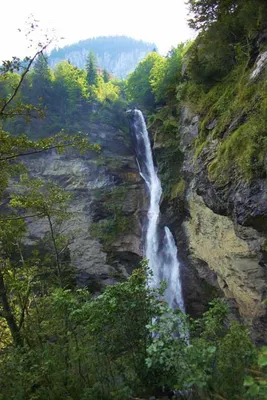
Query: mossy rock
240	109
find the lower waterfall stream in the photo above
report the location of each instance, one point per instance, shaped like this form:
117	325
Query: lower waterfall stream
160	248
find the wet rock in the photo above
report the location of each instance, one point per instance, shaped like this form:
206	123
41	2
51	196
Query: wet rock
261	63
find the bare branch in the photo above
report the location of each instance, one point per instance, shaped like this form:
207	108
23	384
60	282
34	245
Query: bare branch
18	114
32	152
22	217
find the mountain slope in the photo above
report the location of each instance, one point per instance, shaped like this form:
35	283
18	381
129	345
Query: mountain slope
118	54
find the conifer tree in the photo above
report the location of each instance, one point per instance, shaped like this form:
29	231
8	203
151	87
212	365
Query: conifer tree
91	69
106	77
41	81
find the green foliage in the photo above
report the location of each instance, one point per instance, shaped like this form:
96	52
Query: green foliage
157	78
205	355
42	197
39	84
45	199
7	82
110	229
228	27
62	98
116	222
91	69
113	114
166	73
138	84
219	88
126	342
106	76
208	61
69	89
26	273
107	91
206	13
233	363
256	382
83	348
164	126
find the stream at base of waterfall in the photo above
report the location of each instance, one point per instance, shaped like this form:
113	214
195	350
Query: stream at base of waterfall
160	247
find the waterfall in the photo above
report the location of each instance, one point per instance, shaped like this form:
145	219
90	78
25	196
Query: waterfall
160	248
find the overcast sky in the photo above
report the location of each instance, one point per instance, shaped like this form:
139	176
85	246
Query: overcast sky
159	21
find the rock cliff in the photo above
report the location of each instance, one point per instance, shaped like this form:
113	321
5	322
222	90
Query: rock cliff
220	219
108	195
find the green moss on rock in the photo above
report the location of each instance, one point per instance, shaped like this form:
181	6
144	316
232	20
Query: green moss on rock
238	108
165	129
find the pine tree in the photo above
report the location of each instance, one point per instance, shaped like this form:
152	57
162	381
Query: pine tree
41	81
106	76
91	68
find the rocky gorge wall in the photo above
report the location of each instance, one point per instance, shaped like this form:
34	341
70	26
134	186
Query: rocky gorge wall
220	221
219	224
108	194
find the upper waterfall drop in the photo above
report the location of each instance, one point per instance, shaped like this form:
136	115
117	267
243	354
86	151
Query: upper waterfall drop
160	248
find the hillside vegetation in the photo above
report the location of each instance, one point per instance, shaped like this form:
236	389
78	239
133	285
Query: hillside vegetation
65	98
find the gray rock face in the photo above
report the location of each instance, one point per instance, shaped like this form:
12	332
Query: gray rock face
233	256
225	231
260	65
189	132
89	178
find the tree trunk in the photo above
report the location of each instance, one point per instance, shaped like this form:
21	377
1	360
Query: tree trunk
56	250
7	314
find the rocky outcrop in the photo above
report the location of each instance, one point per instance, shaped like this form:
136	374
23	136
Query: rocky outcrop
216	196
225	232
232	253
260	65
90	178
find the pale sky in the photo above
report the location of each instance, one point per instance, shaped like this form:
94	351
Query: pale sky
159	21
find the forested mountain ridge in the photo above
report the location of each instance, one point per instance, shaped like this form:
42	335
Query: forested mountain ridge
119	55
68	98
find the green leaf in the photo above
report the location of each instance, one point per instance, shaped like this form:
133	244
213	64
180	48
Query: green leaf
212	349
262	361
254	390
248	381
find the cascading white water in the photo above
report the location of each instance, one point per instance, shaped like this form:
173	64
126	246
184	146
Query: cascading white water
160	248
